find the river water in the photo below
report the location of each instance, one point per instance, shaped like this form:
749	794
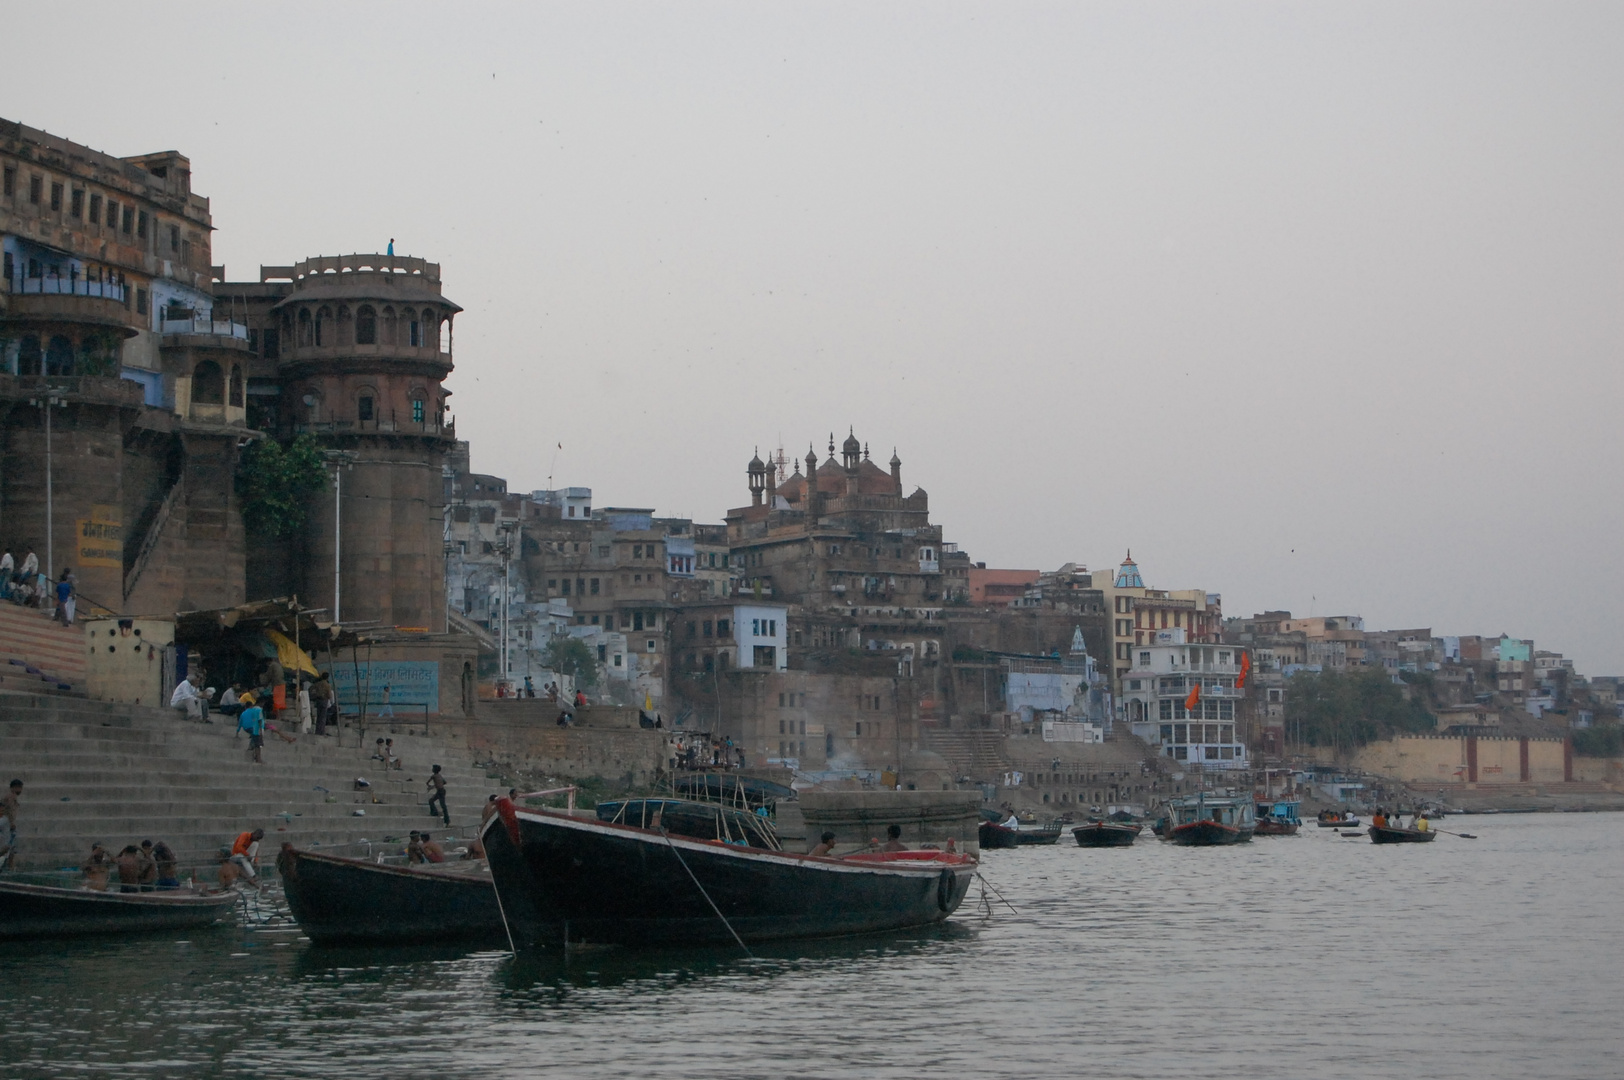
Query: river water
1309	956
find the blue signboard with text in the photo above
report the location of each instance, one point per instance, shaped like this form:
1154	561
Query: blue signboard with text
413	683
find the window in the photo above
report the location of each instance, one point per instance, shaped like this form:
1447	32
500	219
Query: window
552	583
755	627
650	644
77	206
95	209
271	344
722	628
208	384
595	586
127	222
363	408
564	586
415	335
35	189
637	551
141	224
707	627
366	331
780	705
140	300
617	659
9	187
417	410
859	727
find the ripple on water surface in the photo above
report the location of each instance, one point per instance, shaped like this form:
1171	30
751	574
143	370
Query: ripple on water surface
1289	957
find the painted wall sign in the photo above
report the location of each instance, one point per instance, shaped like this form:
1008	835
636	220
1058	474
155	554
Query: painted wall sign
101	538
411	682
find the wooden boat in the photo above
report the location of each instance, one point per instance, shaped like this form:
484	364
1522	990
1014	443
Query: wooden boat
30	911
730	789
336	899
1037	834
993	833
1210	820
1106	834
563	878
1332	819
1386	834
1278	818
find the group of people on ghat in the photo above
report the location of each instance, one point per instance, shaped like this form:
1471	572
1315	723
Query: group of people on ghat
25	586
154	867
702	751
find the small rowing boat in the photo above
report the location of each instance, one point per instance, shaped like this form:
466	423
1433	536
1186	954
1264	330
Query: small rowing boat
1106	834
1386	834
32	911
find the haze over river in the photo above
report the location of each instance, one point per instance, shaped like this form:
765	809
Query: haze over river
1312	956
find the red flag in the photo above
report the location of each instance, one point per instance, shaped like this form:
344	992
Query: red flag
1246	669
1195	696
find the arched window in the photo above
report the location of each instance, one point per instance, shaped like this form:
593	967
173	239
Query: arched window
208	384
307	336
29	357
366	326
389	326
366	404
346	326
414	335
419	409
312	401
59	356
236	385
324	327
445	336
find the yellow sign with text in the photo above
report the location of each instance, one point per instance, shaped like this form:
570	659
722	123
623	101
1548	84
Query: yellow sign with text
101	538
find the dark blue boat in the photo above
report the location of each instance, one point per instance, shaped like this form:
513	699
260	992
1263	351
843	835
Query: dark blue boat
338	900
568	878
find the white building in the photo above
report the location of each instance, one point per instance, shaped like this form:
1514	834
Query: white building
1156	701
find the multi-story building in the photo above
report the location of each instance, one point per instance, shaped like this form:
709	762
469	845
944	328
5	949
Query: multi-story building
1334	642
1158	691
1137	613
121	379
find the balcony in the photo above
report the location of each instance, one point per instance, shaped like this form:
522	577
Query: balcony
188	324
68	301
66	286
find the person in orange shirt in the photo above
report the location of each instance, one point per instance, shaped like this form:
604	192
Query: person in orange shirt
245	853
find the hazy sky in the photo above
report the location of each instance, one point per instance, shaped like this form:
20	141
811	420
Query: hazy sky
1315	305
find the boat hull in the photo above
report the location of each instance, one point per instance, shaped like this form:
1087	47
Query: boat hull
1277	828
35	911
1029	837
1208	834
1351	823
997	836
565	878
352	901
1105	834
1383	835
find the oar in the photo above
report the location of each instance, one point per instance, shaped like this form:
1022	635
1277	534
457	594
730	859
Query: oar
1462	835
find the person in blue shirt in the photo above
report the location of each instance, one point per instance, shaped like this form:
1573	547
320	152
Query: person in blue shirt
391	247
252	720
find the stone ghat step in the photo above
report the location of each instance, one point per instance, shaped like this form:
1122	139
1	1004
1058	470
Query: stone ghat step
32	684
232	817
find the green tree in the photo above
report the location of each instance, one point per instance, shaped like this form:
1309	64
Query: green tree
1599	741
1348	709
573	657
276	483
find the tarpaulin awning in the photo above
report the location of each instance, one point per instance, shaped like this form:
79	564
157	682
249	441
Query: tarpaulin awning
289	655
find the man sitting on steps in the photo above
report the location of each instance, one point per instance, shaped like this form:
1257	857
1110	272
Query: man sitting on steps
191	698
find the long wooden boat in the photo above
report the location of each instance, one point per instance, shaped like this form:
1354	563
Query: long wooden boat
1386	834
563	878
1210	820
30	911
1330	819
1106	834
336	900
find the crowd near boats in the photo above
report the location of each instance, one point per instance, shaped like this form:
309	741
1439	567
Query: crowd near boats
701	865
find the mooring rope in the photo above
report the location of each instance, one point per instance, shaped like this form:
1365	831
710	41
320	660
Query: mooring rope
678	853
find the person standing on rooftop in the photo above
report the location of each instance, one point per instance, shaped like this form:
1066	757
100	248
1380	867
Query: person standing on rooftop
391	247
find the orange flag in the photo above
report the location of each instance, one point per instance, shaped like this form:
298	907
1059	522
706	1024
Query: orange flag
1246	669
1195	696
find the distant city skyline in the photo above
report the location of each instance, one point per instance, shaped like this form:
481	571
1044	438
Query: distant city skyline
1316	308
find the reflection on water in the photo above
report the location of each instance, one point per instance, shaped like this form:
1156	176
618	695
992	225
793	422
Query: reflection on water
1287	957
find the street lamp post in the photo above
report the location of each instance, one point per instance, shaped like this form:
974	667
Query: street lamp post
45	401
340	460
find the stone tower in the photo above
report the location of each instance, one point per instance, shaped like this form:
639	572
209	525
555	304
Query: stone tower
362	347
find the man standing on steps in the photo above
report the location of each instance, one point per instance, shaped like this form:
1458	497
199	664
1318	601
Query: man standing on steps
252	720
8	825
437	782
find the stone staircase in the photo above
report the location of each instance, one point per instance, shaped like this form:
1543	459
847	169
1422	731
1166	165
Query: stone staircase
38	654
118	774
978	754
